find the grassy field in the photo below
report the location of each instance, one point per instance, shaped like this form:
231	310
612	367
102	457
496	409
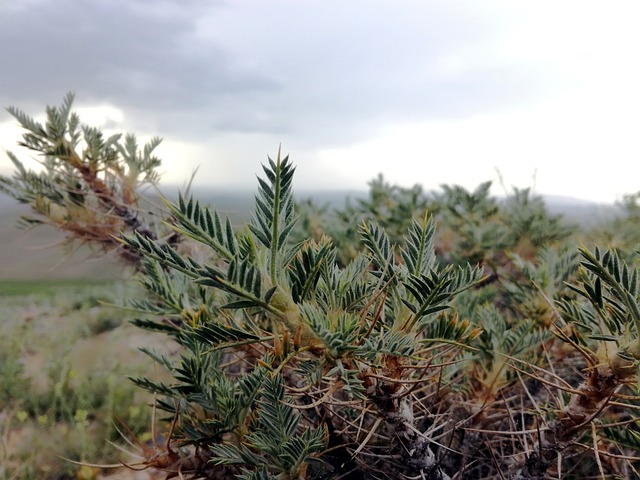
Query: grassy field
40	288
65	353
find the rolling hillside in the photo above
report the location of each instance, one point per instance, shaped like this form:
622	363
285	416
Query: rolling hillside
38	254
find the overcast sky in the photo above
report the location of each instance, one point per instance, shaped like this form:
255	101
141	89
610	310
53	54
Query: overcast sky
547	93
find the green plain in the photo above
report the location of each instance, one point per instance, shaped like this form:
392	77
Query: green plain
13	288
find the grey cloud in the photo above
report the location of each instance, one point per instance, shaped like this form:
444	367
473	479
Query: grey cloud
322	72
347	69
139	55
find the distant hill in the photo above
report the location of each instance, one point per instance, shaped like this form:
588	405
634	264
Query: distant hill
582	212
37	254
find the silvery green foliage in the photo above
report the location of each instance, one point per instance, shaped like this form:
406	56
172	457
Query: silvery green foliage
367	368
384	354
316	355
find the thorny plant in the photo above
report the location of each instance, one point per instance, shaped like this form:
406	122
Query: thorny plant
393	364
89	184
160	453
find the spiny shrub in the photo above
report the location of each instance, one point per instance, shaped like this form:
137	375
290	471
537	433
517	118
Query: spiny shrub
393	364
89	186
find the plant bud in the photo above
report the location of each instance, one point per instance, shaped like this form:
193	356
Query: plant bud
293	321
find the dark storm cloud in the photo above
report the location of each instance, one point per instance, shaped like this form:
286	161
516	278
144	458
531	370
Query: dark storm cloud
139	55
322	72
